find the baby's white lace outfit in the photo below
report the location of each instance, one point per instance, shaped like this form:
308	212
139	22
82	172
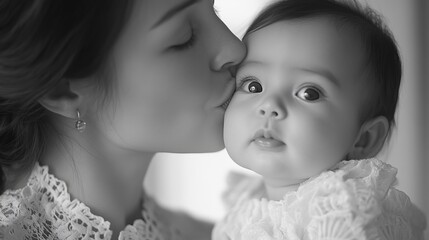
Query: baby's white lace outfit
355	200
43	210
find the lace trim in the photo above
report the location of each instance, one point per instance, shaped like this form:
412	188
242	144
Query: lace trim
43	210
354	201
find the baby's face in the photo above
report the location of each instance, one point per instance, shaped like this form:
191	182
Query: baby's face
299	94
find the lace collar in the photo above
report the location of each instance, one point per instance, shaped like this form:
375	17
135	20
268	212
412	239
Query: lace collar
43	210
354	198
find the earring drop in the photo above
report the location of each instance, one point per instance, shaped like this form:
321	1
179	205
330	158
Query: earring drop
80	125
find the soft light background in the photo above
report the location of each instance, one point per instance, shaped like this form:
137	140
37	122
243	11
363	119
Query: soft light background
194	183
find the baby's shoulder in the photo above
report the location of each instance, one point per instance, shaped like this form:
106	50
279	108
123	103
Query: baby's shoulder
400	215
363	186
362	193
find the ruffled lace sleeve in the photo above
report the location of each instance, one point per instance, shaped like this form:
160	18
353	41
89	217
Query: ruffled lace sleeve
360	201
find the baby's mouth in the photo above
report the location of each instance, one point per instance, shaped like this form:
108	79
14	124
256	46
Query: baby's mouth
265	139
268	142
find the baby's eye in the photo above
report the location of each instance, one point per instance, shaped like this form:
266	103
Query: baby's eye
250	85
309	94
254	87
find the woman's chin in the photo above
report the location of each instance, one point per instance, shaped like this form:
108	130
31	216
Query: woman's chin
209	147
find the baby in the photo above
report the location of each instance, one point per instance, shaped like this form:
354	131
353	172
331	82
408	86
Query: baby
315	101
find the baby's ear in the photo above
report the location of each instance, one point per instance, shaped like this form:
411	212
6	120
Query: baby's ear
371	138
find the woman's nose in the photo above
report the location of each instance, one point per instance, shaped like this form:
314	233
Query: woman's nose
230	51
272	109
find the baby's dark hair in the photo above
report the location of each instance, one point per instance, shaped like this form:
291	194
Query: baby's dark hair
383	60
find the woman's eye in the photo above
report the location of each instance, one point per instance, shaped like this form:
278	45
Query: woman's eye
309	94
251	86
186	45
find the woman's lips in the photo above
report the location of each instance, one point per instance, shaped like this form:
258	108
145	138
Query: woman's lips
226	98
225	104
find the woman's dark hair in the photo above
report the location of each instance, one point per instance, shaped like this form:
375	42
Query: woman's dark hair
383	60
42	43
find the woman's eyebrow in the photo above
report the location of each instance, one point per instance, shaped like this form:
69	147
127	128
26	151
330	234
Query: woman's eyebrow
173	11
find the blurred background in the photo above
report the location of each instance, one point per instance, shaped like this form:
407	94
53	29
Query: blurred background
195	182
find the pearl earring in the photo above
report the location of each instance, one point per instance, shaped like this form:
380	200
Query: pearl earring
80	125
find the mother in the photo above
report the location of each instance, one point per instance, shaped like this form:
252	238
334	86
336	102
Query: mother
90	90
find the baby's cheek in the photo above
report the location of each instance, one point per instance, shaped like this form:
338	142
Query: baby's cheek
235	137
309	154
230	132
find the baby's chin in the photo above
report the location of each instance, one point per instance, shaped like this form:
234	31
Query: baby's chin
263	168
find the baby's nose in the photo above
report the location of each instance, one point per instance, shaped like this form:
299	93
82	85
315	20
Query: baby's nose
270	109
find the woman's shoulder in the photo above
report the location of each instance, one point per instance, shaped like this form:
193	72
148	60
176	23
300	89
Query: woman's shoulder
43	208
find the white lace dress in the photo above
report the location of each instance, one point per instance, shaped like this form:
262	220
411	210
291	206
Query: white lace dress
43	210
356	200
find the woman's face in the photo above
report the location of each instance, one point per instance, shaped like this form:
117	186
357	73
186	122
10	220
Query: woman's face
171	78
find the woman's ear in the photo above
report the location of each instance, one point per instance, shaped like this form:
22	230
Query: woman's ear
65	99
371	138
